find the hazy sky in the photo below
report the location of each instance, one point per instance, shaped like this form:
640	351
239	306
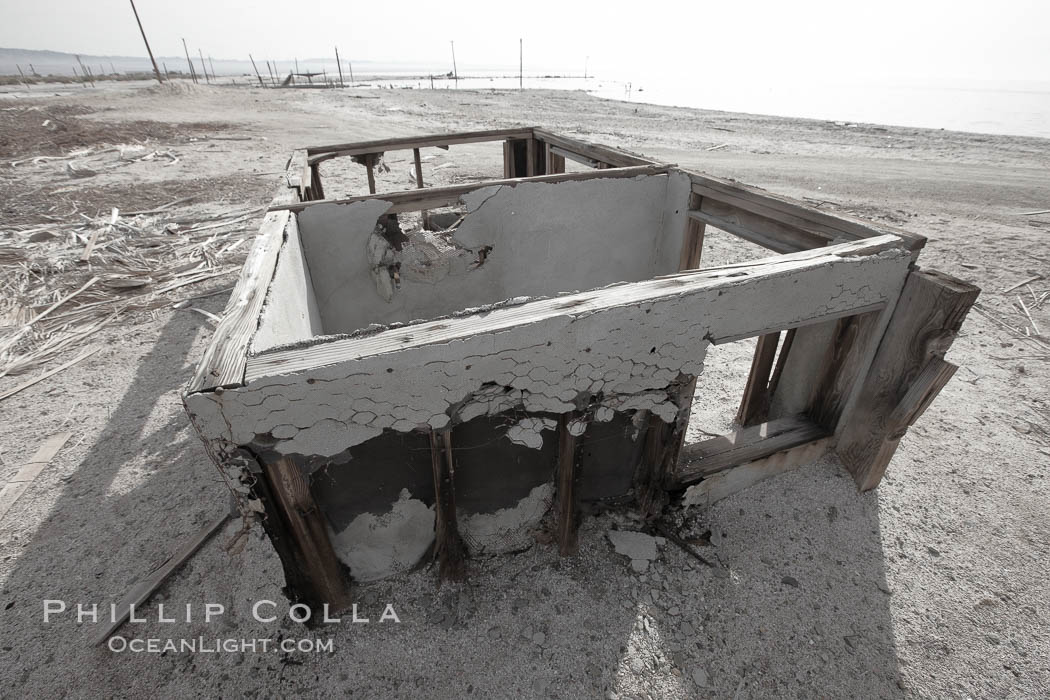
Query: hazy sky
827	39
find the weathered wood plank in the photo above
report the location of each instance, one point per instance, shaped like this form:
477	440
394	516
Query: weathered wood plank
319	153
142	590
606	154
930	312
692	240
432	198
29	471
708	299
508	160
847	360
418	162
724	484
566	154
754	404
449	549
762	229
569	446
224	360
308	533
702	459
792	213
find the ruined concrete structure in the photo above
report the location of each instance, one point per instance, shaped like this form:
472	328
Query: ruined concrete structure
378	390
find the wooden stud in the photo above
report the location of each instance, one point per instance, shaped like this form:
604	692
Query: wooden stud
449	549
907	373
569	447
754	405
688	259
530	157
848	357
660	454
316	191
370	160
554	163
323	578
508	159
419	168
692	239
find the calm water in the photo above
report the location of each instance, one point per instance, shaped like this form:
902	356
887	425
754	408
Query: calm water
1017	109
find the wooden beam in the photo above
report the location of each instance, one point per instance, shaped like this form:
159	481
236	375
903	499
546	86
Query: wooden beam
703	459
569	447
224	360
792	213
434	197
419	168
370	161
508	160
907	373
29	471
555	162
606	154
847	360
828	285
530	157
566	154
404	143
298	172
316	190
324	579
754	405
725	483
142	590
756	228
692	239
449	549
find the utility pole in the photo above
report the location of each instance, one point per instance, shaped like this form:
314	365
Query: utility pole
212	66
339	65
455	71
85	72
256	68
351	67
23	75
521	64
193	73
204	66
156	71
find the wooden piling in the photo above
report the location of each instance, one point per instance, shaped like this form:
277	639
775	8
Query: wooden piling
156	71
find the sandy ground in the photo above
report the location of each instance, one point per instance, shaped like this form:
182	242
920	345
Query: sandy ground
937	585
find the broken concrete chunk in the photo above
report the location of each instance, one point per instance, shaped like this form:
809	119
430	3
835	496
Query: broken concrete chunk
639	547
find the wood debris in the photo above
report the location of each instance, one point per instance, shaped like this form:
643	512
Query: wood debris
69	277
